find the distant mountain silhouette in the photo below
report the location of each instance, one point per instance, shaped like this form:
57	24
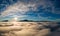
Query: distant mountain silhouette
26	20
5	21
32	21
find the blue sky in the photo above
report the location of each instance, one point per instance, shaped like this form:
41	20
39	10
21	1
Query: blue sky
37	10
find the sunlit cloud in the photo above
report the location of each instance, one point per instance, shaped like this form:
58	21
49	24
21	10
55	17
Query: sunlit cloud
21	7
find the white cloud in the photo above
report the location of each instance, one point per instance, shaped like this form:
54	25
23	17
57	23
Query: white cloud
18	7
28	29
22	7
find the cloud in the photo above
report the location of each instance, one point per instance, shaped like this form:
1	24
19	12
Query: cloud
18	7
27	29
22	7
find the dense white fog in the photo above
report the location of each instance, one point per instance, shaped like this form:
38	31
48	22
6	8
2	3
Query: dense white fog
28	29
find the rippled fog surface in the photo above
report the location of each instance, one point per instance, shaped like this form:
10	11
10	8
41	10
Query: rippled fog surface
29	29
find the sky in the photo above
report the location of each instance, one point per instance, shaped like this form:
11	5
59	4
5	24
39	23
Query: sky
37	10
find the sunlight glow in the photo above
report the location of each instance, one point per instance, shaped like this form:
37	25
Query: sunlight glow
15	18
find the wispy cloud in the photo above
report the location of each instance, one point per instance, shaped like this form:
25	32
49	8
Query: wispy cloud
19	7
24	6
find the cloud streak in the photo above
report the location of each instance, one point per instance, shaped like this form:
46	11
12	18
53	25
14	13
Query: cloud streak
19	7
22	7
